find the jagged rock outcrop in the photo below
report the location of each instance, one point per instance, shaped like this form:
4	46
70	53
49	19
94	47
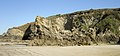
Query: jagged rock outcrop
78	28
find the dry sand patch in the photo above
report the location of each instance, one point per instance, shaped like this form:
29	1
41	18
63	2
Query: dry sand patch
108	50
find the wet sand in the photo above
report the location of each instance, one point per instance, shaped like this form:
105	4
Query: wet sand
21	50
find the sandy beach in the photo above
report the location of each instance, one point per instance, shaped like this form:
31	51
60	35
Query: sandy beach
21	50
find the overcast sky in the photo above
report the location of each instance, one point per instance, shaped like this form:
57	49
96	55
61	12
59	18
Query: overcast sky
18	12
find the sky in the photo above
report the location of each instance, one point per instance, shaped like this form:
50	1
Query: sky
18	12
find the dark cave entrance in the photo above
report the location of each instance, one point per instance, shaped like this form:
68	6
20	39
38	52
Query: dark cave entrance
27	33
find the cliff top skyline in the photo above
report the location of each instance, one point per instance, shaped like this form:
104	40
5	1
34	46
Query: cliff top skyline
17	12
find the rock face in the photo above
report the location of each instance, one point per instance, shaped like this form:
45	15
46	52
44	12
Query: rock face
15	32
78	28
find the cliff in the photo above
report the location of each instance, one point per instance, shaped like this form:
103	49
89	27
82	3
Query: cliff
79	28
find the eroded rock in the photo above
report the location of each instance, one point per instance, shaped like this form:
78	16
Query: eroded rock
78	28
